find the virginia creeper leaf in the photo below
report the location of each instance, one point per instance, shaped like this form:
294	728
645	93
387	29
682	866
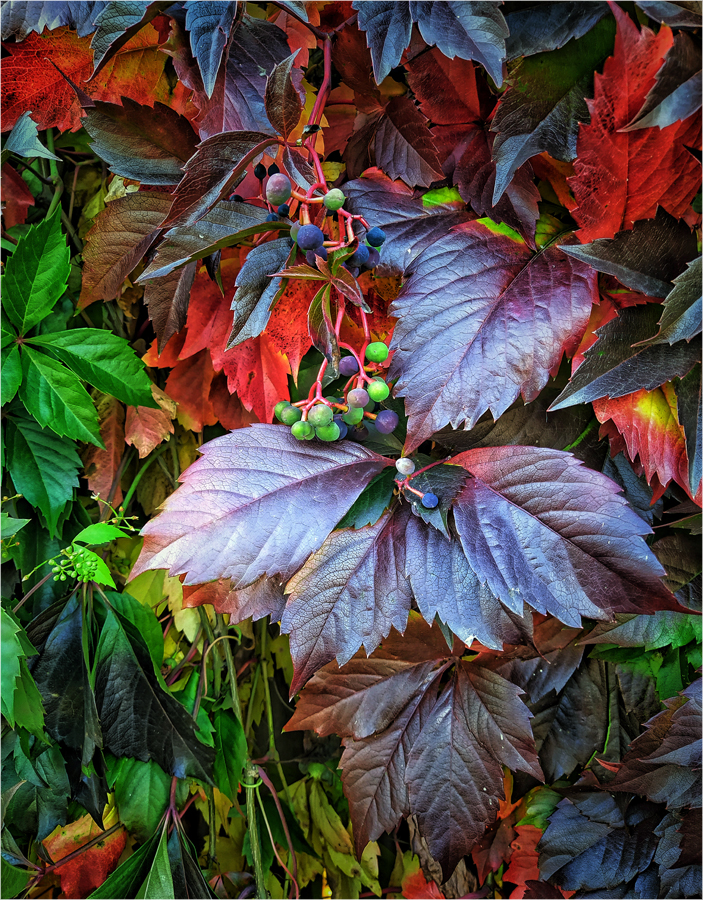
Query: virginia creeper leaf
404	145
167	300
647	258
681	318
347	595
661	629
256	291
209	26
660	171
104	360
23	140
688	397
613	367
388	26
592	560
220	522
116	24
36	274
147	144
43	467
141	794
19	18
231	753
537	29
471	331
283	104
676	14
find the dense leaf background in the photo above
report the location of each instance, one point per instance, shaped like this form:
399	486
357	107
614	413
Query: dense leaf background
239	664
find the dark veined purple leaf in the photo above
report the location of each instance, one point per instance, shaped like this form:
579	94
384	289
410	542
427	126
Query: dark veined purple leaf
647	258
570	725
681	318
237	102
20	18
548	26
388	26
209	25
321	328
679	854
685	14
256	291
592	559
212	171
409	226
688	399
676	93
257	502
543	108
634	487
284	105
404	145
662	629
167	300
621	361
147	144
348	595
664	763
589	845
117	24
298	168
483	319
227	224
454	769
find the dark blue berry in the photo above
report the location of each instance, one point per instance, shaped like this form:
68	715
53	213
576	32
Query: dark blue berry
373	260
375	237
236	198
283	209
359	256
273	169
348	366
313	255
343	427
310	237
430	500
272	217
260	171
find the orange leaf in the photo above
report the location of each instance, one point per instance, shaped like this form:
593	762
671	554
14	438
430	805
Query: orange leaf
101	465
146	428
258	374
415	886
287	328
524	861
88	870
228	407
189	385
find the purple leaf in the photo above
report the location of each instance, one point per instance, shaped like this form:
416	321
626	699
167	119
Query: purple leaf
538	527
209	25
257	502
404	145
116	24
388	26
454	773
283	102
167	300
347	595
256	291
20	18
482	319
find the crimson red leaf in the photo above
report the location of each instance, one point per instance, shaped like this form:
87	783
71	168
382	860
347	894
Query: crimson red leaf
404	145
283	104
592	560
149	144
454	773
348	594
211	173
623	176
231	517
613	367
481	320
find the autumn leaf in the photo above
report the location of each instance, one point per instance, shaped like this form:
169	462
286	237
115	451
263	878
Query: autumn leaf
100	465
81	876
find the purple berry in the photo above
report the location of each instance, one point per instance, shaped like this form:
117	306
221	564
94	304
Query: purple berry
373	260
278	189
386	421
348	366
358	398
310	237
430	500
358	433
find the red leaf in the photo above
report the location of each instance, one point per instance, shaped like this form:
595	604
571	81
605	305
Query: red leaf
493	848
263	598
258	374
101	465
15	195
623	176
418	888
189	385
648	422
287	329
146	428
228	407
88	870
524	860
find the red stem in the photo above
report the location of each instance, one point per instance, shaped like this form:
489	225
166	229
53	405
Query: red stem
267	781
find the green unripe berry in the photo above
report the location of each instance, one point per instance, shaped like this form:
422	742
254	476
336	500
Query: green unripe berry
328	432
290	415
377	352
279	407
320	415
353	416
334	199
378	390
302	431
294	229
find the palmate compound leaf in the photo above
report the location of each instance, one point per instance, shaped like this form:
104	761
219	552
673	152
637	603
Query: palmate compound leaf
209	26
409	751
622	361
483	319
257	502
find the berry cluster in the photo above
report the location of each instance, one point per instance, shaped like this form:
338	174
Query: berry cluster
79	563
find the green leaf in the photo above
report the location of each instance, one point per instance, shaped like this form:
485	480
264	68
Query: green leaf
231	750
100	533
368	507
12	653
55	397
11	372
43	467
144	620
104	360
101	573
14	880
29	709
159	884
188	877
23	140
126	878
10	526
141	794
442	196
36	274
